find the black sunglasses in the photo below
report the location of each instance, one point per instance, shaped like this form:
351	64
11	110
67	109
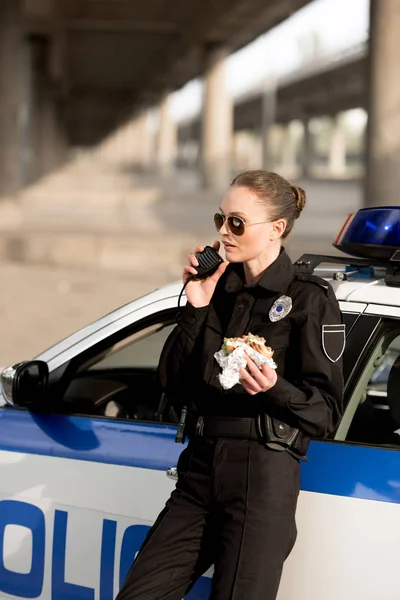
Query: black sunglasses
235	224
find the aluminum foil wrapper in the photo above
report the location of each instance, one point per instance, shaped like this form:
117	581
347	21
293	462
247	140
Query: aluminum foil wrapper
232	364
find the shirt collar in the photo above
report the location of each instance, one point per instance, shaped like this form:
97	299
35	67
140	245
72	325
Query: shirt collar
275	278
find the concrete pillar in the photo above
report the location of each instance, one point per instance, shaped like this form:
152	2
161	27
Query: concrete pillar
337	150
144	142
11	59
48	136
268	116
217	121
27	130
288	165
167	140
383	137
32	140
306	154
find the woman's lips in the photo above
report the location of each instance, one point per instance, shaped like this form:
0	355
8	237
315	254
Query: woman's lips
228	246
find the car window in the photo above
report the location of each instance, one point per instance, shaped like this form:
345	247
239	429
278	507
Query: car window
119	379
140	350
373	411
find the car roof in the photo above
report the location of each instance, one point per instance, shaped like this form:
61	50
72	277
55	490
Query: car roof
370	291
353	294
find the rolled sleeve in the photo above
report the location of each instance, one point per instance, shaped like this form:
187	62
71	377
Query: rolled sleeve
312	401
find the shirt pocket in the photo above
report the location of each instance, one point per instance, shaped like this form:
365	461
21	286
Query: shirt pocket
277	335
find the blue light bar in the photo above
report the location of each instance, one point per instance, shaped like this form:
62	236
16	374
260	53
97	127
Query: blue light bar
372	233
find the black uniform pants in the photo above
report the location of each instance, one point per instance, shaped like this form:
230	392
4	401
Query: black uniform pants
234	507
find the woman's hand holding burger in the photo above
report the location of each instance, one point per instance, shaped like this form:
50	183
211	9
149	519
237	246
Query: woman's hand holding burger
255	379
199	292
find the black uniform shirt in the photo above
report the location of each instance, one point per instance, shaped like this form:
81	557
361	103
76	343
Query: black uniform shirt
308	392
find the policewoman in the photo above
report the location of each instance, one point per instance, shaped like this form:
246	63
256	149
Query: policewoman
238	479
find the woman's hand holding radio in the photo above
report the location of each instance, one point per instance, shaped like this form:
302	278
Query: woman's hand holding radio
199	291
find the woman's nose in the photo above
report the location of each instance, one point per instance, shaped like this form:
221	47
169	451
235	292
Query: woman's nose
224	229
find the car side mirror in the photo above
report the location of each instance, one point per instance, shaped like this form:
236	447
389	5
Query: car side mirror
25	383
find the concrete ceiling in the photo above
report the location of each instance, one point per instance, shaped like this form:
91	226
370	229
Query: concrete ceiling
108	58
145	47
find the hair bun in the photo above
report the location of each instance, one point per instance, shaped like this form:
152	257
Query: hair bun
299	198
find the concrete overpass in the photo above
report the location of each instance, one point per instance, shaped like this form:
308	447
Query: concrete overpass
71	71
324	89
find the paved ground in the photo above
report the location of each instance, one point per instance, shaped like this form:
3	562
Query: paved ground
39	305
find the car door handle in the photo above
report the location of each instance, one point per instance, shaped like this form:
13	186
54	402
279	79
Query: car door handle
172	473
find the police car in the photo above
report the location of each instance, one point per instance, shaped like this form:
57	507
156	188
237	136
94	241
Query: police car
87	450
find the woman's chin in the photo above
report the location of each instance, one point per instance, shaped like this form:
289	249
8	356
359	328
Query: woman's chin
232	255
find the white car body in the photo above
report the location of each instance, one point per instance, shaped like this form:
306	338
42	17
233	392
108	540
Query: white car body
78	493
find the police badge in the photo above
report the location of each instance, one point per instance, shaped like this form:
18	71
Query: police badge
333	341
280	308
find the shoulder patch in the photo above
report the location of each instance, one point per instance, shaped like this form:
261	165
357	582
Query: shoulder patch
333	341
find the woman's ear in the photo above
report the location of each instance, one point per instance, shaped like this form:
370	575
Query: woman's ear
278	228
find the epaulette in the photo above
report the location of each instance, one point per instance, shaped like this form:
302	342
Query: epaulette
311	278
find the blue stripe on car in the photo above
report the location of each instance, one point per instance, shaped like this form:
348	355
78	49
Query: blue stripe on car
332	468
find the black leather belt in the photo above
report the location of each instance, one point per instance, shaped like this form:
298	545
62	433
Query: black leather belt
224	427
248	428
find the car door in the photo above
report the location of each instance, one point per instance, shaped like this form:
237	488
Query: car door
81	484
349	507
81	491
